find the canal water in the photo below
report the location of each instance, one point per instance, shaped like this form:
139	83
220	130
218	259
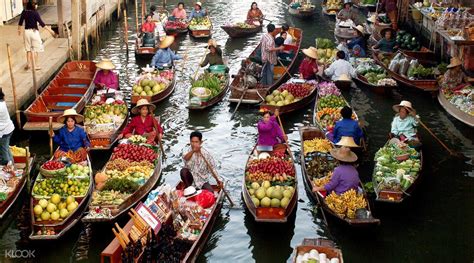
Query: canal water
436	224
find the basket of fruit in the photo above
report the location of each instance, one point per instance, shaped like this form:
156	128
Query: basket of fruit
52	168
201	93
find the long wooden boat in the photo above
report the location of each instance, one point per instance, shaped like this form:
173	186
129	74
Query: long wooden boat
397	195
301	12
27	167
72	87
157	97
112	253
257	95
303	102
60	228
424	55
201	33
321	245
236	31
176	30
214	100
144	52
269	214
430	85
462	116
130	201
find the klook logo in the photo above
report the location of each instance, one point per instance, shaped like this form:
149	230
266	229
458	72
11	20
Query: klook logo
15	253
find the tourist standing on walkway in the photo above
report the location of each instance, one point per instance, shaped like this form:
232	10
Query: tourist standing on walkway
32	36
269	55
6	131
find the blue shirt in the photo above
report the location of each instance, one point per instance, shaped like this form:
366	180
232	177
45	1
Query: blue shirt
73	140
164	57
194	13
405	126
386	45
347	127
358	41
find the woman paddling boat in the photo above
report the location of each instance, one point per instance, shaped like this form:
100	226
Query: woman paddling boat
165	57
404	123
254	15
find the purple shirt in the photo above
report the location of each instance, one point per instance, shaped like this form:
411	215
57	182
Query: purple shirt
31	18
344	178
110	80
269	133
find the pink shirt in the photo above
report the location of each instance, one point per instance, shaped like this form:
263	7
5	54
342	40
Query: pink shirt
179	14
110	80
269	133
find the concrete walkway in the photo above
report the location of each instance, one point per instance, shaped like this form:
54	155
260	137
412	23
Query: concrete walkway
51	60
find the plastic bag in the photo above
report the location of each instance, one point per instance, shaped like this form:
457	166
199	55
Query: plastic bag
394	65
404	64
205	199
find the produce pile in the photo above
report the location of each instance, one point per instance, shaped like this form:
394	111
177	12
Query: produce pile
149	84
314	256
213	84
345	205
200	23
317	145
270	181
289	93
409	67
374	73
407	41
368	2
134	152
330	102
334	6
54	209
101	117
61	185
18	151
463	99
175	25
242	25
392	174
326	50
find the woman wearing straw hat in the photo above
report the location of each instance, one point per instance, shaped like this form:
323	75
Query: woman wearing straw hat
387	43
164	56
358	43
347	127
71	138
197	11
105	77
346	12
405	122
454	78
309	66
214	57
269	132
345	176
144	123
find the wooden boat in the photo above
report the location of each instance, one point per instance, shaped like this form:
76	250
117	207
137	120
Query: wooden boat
256	95
112	253
430	85
304	12
462	116
236	31
72	87
214	100
60	227
303	102
144	52
201	33
379	89
27	166
176	30
329	12
321	245
397	196
269	214
157	97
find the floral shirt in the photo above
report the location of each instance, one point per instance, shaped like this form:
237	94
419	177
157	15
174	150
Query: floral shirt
452	79
198	167
268	42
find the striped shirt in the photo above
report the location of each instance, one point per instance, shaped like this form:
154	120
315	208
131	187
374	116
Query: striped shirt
268	43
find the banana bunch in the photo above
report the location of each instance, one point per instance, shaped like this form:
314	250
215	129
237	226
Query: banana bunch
317	145
346	204
323	180
18	151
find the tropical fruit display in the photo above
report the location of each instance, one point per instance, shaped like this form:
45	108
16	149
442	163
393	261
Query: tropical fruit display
329	105
200	23
289	93
149	84
346	204
56	208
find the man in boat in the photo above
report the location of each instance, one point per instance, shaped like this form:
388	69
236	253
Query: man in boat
404	123
340	67
387	43
6	132
144	123
197	11
269	54
269	131
284	55
345	176
105	77
71	138
254	15
164	56
198	163
347	127
214	57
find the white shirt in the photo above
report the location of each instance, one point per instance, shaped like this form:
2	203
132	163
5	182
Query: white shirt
289	39
6	124
339	67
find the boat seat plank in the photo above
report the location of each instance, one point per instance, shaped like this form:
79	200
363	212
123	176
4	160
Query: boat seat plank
67	90
41	126
51	100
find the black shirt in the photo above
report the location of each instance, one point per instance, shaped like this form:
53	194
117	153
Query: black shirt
31	18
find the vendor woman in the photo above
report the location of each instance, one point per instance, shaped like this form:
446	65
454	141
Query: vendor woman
144	123
269	132
387	43
105	77
309	66
254	15
345	176
214	57
405	122
454	78
71	138
358	44
164	56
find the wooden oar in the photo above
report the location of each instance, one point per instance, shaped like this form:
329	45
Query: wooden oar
50	136
199	65
214	174
284	135
241	98
286	70
155	124
452	152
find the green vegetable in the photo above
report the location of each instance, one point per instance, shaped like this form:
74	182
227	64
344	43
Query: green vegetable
121	184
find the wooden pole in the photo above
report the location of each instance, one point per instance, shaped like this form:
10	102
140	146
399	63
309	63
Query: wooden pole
76	28
27	170
136	17
12	78
118	9
286	141
59	4
125	25
50	136
33	72
86	41
214	174
143	11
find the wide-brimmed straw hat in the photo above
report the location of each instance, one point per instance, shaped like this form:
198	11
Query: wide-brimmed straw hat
347	141
360	29
198	3
311	52
343	154
166	42
71	113
191	191
105	64
212	43
404	103
143	102
454	63
344	77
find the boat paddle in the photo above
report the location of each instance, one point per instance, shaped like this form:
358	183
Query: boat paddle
286	140
246	87
452	152
283	66
160	143
214	174
51	136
